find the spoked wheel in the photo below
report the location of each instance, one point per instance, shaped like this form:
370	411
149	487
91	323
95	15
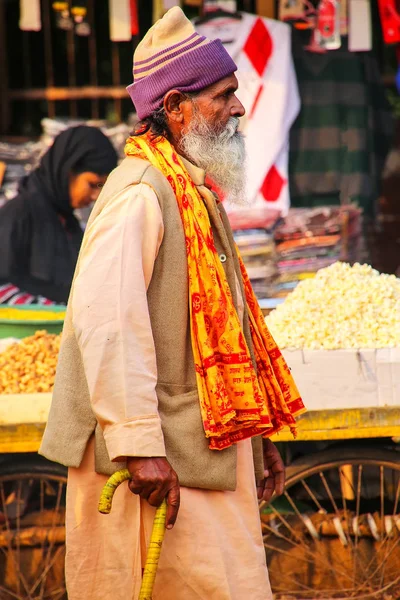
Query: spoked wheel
336	531
32	532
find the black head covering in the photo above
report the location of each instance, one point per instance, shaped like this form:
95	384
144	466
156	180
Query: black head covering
77	149
32	237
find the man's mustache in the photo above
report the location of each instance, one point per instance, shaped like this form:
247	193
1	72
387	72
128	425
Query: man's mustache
231	128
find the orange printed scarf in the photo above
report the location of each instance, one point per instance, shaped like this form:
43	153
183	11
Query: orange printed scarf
237	402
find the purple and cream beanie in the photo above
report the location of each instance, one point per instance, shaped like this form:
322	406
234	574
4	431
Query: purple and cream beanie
172	55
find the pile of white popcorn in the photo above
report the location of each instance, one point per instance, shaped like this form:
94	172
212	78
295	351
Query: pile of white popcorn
342	307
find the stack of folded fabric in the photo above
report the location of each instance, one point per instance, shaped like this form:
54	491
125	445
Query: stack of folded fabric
312	239
18	161
254	235
117	134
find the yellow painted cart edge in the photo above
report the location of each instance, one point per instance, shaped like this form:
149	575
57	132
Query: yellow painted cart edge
23	419
352	423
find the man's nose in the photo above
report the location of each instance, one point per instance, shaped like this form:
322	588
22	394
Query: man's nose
237	109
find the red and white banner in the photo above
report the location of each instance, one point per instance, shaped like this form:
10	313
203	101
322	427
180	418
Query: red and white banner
261	48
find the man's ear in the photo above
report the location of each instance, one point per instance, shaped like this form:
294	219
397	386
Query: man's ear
173	105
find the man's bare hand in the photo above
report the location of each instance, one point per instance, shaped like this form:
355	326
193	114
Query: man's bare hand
154	479
274	474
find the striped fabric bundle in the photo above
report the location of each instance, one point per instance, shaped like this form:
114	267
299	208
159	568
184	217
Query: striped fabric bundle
312	239
11	295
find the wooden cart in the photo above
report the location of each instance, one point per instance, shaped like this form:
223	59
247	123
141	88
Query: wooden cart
336	531
334	534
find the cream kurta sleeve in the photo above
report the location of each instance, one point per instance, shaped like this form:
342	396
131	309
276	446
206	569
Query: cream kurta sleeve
112	324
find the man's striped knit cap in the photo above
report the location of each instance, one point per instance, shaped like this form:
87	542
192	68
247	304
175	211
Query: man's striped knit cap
173	56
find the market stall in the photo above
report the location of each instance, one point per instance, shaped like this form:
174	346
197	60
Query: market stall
335	532
340	334
32	490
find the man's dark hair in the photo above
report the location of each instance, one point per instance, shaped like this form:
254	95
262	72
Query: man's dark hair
156	123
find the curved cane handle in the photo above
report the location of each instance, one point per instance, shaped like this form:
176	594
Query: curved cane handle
157	534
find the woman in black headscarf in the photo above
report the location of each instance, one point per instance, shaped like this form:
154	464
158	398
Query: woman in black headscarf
40	236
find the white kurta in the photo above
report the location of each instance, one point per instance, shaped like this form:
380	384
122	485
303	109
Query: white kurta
215	550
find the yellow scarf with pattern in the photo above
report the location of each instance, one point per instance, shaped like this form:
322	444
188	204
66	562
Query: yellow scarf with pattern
237	401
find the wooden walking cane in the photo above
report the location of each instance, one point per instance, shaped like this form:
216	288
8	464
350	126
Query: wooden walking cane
157	534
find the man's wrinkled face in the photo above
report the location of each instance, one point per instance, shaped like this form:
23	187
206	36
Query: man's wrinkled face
217	104
211	140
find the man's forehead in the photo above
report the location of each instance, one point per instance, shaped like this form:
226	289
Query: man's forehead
229	82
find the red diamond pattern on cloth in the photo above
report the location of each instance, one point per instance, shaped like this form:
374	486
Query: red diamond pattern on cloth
256	99
258	46
273	183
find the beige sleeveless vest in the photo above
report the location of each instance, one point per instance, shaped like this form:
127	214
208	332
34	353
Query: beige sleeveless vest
71	420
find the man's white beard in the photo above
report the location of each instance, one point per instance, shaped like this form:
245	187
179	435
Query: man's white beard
220	153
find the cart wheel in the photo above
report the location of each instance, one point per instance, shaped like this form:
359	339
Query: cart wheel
32	532
335	533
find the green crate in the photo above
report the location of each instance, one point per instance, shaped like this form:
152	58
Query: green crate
20	328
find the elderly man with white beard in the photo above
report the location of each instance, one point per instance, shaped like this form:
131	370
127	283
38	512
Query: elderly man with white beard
166	365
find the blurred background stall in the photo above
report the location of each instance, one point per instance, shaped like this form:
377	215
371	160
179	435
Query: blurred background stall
319	80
